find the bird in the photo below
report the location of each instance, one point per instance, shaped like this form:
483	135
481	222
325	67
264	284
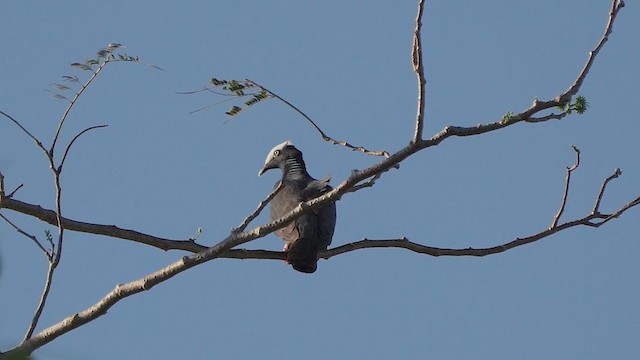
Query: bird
313	231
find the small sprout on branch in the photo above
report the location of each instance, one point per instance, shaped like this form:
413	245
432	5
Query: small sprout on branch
49	237
579	106
197	235
506	117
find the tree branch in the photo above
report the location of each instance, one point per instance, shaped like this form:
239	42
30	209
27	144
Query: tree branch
616	6
42	302
66	151
29	236
75	99
50	217
223	248
416	56
325	137
35	139
258	210
556	218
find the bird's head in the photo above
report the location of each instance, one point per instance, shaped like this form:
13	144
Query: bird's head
278	156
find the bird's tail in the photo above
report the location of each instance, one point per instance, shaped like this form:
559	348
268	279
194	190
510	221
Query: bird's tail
303	256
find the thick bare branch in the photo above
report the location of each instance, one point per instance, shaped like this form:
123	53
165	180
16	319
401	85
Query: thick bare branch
50	217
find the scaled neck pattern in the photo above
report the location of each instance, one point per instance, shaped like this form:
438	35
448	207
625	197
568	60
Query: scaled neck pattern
294	169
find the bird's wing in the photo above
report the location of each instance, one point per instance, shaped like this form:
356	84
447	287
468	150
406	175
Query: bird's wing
285	200
326	215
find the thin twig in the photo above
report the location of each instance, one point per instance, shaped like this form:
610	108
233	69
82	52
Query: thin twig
14	191
616	5
41	304
66	151
367	184
29	236
560	100
416	56
257	211
596	208
216	103
566	188
552	116
73	102
324	136
35	139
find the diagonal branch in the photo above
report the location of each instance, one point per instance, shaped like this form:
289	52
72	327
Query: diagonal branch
616	6
35	139
29	236
596	208
74	100
42	302
258	210
325	137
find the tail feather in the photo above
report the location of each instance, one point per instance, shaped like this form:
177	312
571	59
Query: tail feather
303	256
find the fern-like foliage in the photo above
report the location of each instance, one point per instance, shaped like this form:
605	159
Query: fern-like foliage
106	55
239	89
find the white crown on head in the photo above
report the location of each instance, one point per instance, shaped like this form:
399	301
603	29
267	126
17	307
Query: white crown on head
277	147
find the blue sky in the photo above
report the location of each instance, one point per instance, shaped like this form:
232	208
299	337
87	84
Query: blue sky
159	170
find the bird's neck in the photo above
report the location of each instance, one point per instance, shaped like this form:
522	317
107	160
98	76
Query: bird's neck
294	169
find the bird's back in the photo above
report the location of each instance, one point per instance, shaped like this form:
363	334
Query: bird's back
312	231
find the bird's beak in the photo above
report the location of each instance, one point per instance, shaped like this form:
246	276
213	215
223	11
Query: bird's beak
268	166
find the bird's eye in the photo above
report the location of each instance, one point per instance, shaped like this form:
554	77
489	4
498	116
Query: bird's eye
276	153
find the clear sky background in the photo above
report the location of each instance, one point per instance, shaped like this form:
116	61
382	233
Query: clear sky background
347	64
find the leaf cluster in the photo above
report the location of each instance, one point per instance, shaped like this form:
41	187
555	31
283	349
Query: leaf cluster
580	105
240	89
103	56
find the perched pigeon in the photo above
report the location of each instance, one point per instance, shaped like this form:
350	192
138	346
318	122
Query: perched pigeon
311	232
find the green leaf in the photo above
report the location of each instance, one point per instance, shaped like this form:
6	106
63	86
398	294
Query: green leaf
216	82
234	111
581	104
